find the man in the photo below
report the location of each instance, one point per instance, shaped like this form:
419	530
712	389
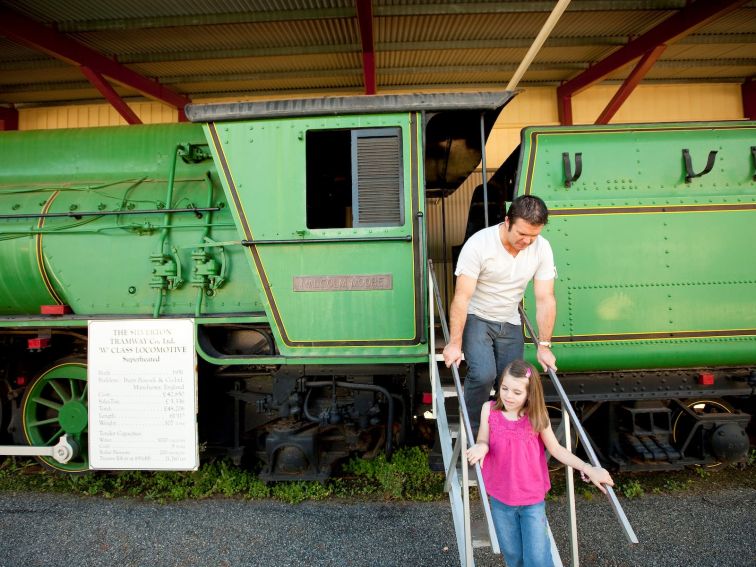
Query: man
493	270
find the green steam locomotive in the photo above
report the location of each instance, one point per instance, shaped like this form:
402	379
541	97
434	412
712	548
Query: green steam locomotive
294	235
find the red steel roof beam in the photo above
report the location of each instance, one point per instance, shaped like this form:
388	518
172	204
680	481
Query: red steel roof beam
8	118
23	30
111	95
365	20
681	24
677	26
635	77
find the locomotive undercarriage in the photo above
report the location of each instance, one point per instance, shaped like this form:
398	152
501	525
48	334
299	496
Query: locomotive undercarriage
666	419
298	422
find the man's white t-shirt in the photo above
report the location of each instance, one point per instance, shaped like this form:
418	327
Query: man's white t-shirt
502	279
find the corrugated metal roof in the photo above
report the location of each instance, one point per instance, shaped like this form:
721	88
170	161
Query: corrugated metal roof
507	57
86	10
249	47
223	37
285	64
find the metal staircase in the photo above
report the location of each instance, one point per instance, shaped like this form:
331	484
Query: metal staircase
456	438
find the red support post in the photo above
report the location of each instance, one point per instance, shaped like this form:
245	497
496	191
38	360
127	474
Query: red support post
365	19
8	118
748	93
23	30
635	77
111	95
564	108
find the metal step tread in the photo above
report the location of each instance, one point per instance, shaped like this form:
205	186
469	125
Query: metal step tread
440	357
451	392
479	532
471	478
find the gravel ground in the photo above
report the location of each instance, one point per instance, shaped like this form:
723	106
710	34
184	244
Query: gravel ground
690	530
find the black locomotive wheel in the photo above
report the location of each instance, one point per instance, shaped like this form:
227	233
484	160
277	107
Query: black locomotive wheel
682	423
54	404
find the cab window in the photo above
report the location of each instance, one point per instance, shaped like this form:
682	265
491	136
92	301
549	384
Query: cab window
354	178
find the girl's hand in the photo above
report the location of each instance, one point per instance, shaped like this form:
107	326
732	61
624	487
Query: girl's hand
597	476
476	453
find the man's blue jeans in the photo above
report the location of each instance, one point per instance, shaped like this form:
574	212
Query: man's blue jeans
489	347
523	534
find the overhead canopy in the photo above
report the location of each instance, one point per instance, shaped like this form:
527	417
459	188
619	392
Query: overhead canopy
452	123
333	105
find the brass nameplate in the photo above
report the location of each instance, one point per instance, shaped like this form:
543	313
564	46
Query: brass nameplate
368	282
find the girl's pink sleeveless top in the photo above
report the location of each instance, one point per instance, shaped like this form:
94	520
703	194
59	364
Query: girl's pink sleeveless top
514	469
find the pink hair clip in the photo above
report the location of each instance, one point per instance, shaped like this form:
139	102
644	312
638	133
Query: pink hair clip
527	373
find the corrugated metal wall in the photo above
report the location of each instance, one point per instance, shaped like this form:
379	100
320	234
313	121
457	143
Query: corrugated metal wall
90	115
663	103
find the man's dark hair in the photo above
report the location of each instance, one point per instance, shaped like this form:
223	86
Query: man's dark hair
529	208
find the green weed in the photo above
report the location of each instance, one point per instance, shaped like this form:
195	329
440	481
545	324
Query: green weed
702	472
407	475
631	489
299	491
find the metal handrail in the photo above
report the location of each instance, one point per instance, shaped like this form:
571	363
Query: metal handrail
618	511
466	435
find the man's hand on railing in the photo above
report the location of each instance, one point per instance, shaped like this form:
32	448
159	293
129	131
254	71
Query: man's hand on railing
477	453
546	358
452	354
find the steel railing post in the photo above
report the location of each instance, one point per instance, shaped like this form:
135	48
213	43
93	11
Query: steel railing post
570	477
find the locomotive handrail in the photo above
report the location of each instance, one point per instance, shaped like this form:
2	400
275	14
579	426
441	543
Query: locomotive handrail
77	214
569	177
689	173
618	511
403	238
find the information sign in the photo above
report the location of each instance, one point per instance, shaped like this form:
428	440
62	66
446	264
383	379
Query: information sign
142	395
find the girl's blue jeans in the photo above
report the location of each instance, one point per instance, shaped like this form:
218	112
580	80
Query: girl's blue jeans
523	534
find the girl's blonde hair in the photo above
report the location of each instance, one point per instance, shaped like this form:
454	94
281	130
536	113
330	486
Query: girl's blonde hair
535	406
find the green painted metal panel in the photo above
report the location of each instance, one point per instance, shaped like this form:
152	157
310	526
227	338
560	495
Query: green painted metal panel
101	264
22	285
654	271
265	179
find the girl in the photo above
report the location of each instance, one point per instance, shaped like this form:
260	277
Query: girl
514	429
